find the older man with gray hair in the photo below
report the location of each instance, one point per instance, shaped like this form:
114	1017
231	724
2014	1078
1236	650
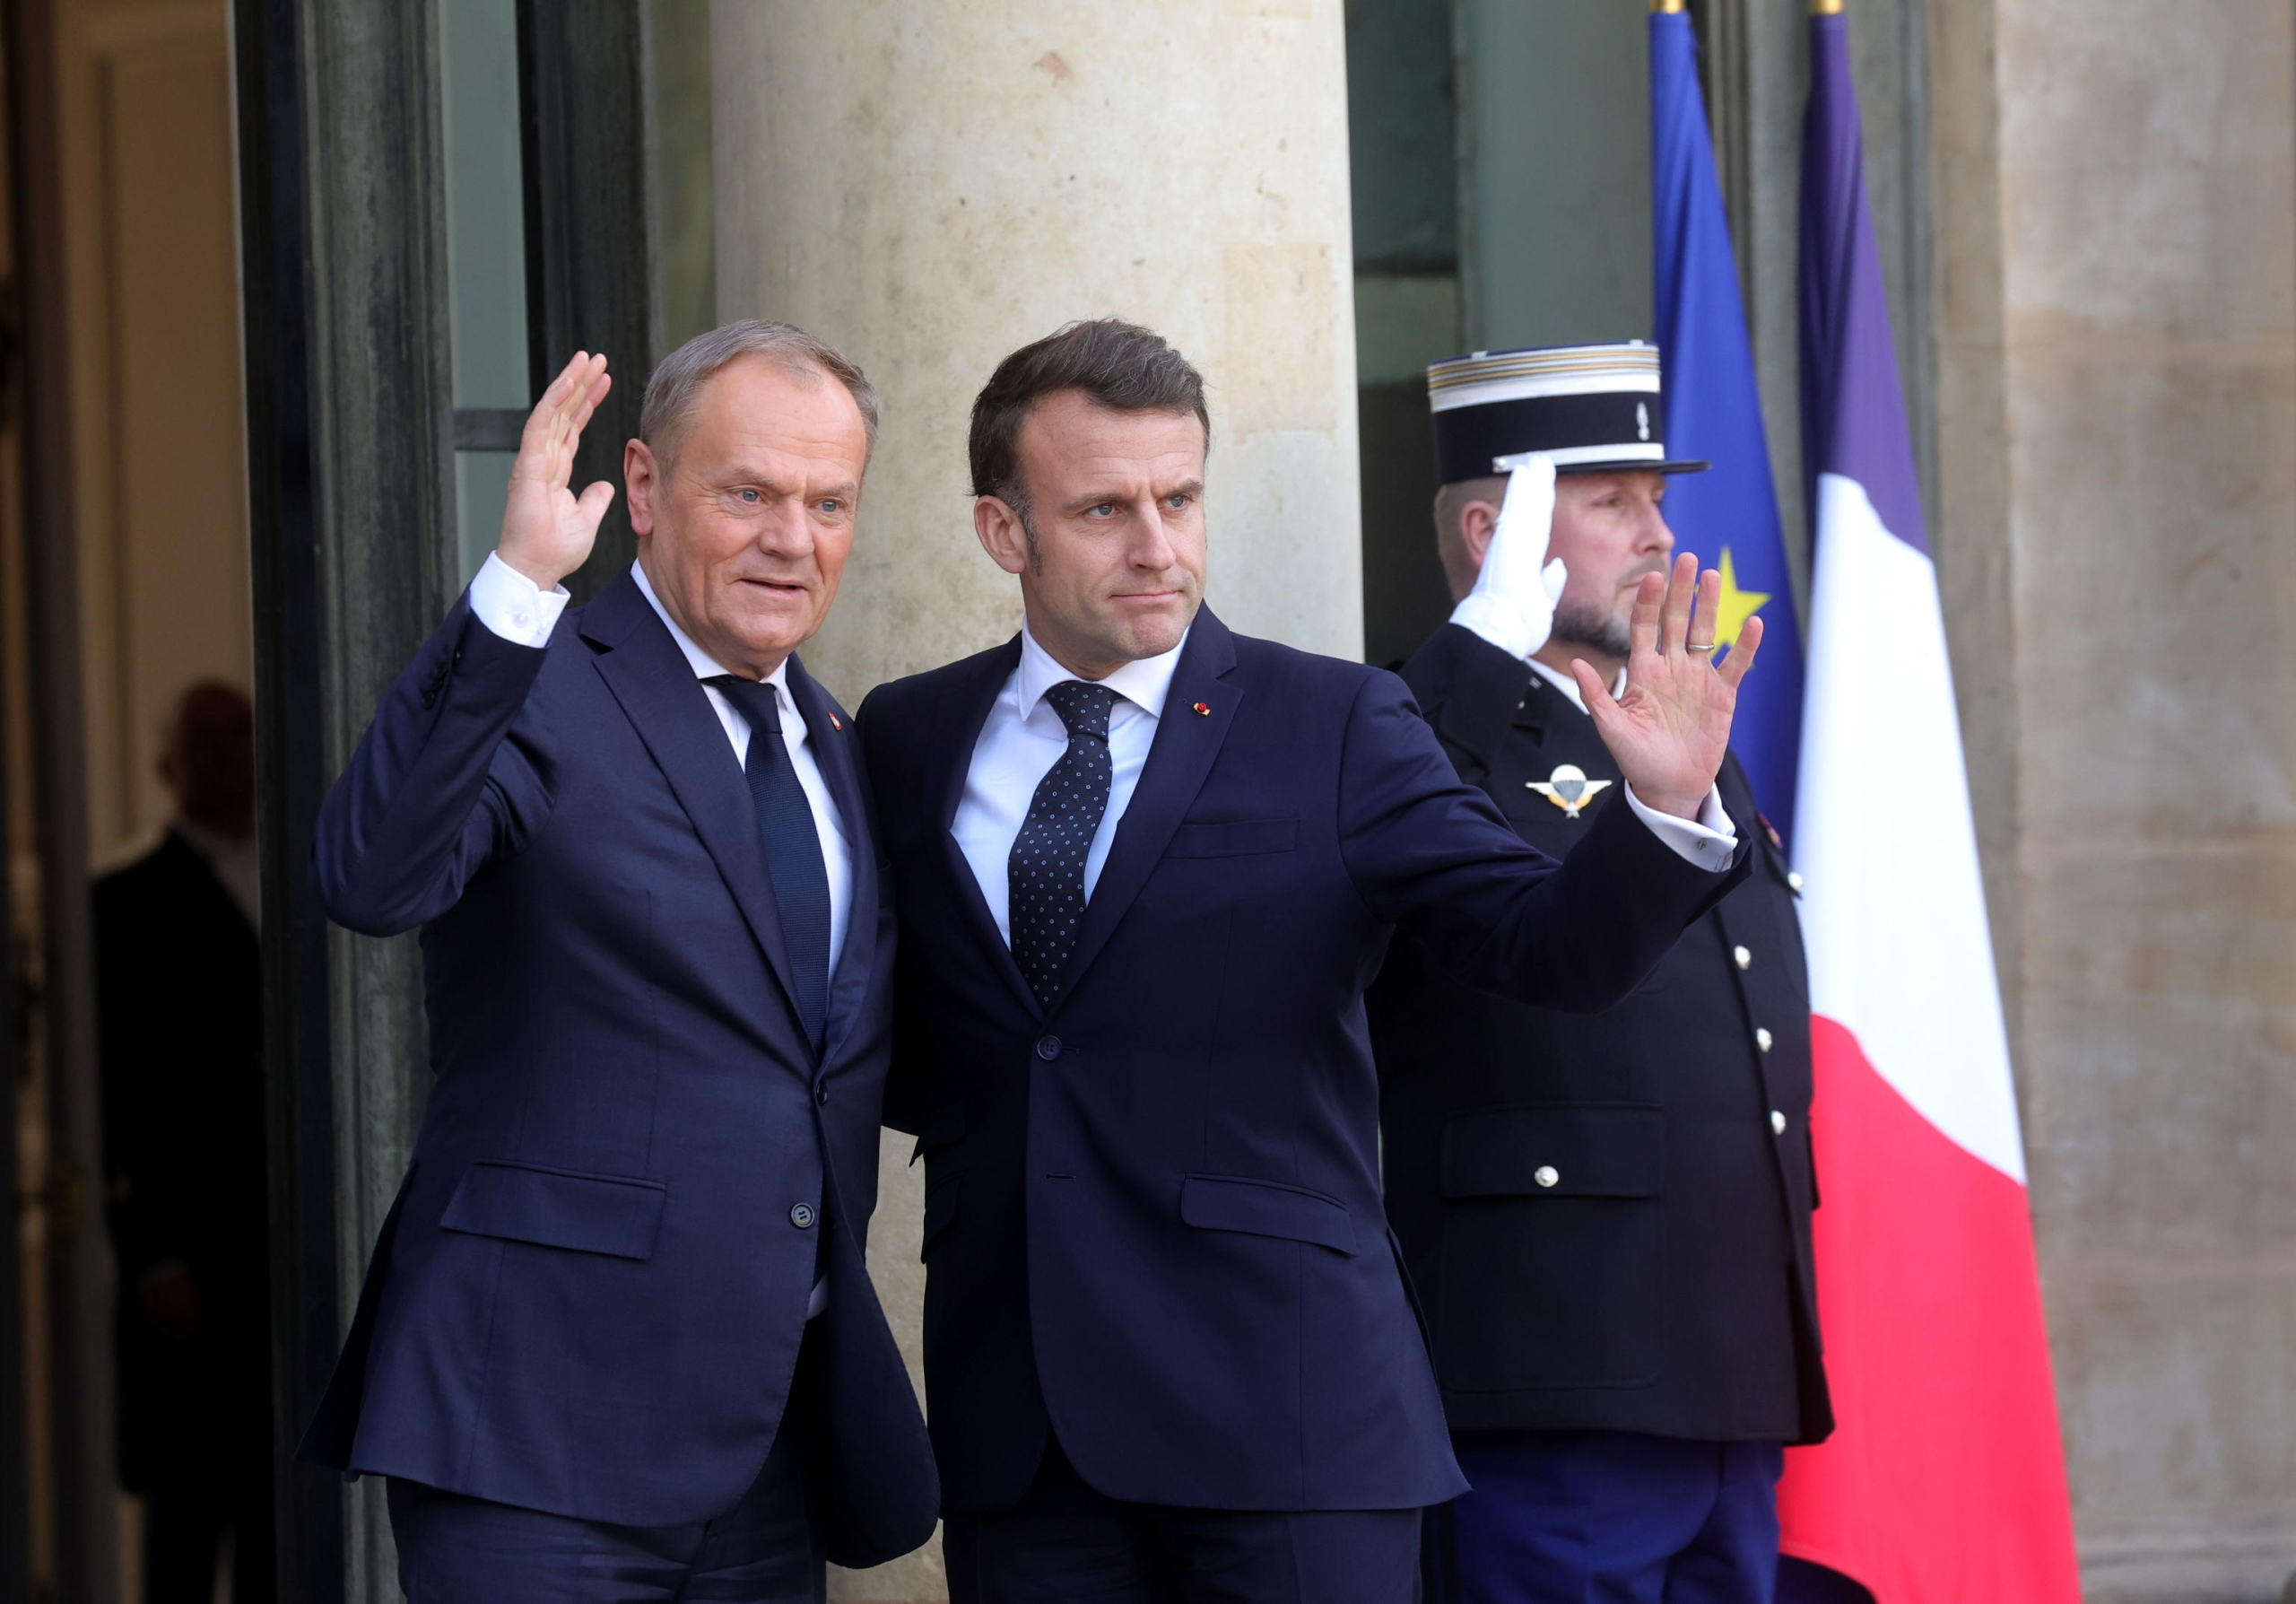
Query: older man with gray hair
616	1341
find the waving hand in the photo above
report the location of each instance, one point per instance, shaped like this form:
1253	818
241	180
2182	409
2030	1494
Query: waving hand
1672	729
547	531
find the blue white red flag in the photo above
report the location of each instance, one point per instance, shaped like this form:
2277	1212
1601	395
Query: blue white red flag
1944	1481
1727	515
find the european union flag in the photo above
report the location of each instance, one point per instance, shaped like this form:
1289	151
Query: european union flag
1727	515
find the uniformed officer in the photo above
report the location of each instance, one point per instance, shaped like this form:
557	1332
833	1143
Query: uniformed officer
1607	1217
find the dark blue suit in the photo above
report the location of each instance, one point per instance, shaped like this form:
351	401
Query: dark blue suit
590	1295
1153	1217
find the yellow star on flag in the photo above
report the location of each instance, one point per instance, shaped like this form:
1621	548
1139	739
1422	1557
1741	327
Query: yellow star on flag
1736	605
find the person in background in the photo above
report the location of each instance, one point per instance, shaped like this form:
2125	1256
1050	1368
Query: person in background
1607	1215
179	998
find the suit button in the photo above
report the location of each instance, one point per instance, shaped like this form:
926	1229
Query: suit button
801	1215
1740	957
1546	1175
1762	1038
1777	1123
1048	1048
821	1093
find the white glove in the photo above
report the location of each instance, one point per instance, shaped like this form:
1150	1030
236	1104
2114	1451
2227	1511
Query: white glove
1512	603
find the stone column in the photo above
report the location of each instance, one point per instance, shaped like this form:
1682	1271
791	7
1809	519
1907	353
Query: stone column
931	183
2117	216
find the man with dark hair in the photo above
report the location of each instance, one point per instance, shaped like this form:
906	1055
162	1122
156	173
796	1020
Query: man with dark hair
1607	1215
179	998
1144	869
616	1342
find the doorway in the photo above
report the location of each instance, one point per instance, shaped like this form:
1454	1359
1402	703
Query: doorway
123	574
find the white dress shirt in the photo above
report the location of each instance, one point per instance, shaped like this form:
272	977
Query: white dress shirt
1020	742
518	609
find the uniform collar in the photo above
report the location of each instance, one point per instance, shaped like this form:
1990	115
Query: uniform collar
1569	685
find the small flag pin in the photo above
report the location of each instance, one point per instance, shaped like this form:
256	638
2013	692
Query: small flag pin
835	722
1204	710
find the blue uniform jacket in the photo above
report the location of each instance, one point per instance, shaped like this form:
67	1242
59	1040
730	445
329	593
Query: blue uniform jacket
1152	1215
589	1297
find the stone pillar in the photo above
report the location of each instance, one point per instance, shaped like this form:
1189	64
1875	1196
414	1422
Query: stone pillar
2116	217
931	183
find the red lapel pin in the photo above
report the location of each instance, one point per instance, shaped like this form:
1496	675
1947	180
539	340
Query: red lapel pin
835	723
1204	710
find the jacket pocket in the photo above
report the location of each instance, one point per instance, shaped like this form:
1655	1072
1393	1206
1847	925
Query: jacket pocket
1556	1150
1234	840
1266	1209
1553	1257
558	1208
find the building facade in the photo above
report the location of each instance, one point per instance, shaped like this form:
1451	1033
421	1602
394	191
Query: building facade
285	278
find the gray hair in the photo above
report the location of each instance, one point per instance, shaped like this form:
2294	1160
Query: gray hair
676	385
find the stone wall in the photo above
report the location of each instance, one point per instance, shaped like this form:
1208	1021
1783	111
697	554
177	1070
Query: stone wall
2116	213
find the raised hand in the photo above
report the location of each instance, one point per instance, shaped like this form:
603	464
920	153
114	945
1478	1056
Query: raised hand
1515	591
1671	729
547	531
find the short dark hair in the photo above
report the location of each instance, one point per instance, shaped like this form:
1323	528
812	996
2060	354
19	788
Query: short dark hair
1115	364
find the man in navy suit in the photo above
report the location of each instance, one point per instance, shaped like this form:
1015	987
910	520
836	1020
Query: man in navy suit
616	1341
1145	868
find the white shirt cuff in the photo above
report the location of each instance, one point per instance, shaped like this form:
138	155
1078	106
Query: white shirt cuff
1711	842
513	606
1498	621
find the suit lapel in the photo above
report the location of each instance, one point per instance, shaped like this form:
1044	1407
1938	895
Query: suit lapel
953	762
666	705
1187	743
831	738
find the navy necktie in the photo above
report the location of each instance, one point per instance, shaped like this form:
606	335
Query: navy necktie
1045	875
793	848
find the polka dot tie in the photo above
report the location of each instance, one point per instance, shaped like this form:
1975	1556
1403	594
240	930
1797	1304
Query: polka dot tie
1046	872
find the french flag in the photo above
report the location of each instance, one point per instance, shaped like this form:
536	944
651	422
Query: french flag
1944	1482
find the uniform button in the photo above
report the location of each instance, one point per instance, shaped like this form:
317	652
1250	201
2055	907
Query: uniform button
1777	1123
1762	1038
1795	879
1742	958
801	1215
1546	1175
821	1093
1048	1048
518	616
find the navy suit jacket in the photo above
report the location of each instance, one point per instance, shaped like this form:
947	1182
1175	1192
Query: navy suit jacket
1153	1212
589	1297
